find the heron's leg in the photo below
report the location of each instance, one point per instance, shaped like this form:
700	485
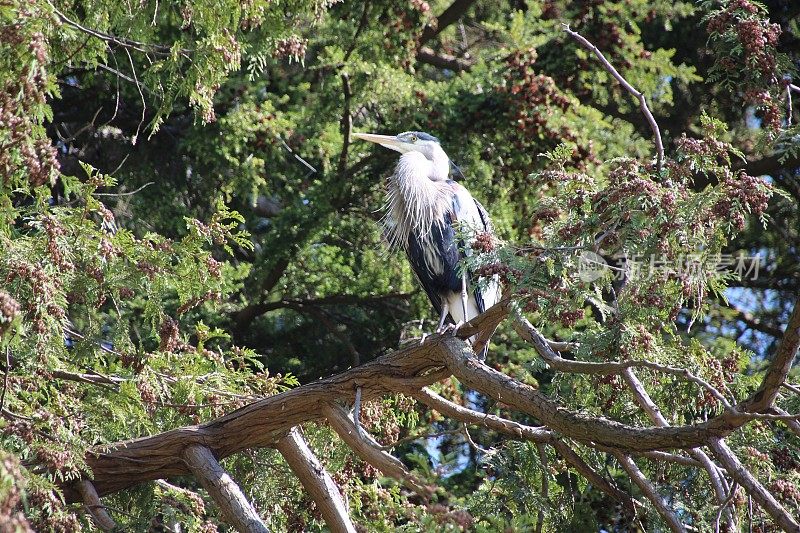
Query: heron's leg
445	310
464	301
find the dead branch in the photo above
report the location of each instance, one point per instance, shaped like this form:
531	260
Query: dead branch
316	480
369	450
628	87
237	510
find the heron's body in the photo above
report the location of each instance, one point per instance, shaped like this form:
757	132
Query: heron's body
426	212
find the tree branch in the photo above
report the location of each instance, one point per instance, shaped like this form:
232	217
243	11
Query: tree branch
752	486
628	87
455	11
370	451
95	507
649	491
652	410
316	480
237	511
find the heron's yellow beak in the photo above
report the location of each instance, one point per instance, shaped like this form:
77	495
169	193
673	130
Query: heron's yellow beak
387	141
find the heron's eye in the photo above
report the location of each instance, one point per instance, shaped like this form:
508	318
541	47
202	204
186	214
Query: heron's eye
412	138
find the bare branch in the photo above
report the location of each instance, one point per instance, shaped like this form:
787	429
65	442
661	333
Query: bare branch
369	450
649	491
528	332
752	486
501	425
238	512
316	481
95	507
628	87
159	49
652	410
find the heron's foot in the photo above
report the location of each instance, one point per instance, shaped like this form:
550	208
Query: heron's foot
453	328
422	340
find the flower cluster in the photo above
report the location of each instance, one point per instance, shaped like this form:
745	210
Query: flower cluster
23	98
752	63
293	47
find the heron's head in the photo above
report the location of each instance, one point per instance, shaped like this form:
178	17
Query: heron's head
418	142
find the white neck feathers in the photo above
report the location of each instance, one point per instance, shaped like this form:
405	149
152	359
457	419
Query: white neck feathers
418	196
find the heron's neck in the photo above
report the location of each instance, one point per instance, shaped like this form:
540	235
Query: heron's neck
415	201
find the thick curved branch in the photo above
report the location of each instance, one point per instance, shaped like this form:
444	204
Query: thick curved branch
316	480
779	367
262	423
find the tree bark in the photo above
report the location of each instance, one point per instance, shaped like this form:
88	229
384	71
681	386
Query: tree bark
316	481
238	512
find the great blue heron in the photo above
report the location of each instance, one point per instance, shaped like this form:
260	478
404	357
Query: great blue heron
426	212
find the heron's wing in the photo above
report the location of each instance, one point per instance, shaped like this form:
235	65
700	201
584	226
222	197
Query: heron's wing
469	211
434	261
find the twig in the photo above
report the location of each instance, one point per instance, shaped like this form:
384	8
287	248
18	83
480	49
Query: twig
468	437
545	485
297	157
5	379
357	413
628	87
121	41
124	193
420	436
141	95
